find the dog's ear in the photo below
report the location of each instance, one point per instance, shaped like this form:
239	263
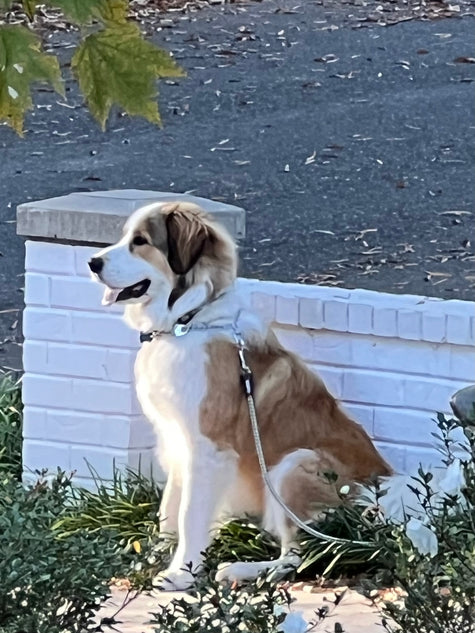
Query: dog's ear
187	236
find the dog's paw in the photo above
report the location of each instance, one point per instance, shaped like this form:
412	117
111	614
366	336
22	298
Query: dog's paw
239	572
170	580
236	572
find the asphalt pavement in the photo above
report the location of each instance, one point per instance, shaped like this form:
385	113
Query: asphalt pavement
349	144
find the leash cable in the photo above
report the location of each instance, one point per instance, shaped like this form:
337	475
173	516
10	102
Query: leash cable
246	374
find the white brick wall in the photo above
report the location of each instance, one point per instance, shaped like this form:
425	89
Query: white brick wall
393	360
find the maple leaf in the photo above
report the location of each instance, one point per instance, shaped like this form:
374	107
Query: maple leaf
22	62
116	66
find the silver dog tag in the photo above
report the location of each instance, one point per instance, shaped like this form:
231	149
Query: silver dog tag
180	329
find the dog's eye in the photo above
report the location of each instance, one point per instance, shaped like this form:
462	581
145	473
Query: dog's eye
139	240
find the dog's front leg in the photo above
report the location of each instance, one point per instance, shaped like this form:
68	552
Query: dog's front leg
170	505
208	475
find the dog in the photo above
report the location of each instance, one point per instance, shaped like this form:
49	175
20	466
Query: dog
174	270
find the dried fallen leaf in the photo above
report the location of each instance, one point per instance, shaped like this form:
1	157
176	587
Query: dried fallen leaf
464	60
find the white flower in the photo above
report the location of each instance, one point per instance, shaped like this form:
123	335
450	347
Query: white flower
460	447
422	537
293	623
453	480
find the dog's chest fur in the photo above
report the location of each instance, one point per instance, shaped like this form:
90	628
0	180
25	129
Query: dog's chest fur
171	384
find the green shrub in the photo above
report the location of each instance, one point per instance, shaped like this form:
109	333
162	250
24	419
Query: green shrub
48	585
434	560
128	505
256	607
10	426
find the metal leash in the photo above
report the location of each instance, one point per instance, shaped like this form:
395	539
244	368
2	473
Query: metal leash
246	375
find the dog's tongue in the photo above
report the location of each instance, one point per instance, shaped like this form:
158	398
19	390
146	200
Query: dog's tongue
110	296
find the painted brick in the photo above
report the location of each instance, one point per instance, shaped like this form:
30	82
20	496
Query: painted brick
299	341
458	329
142	434
360	318
45	257
287	310
409	324
36	289
311	313
103	329
332	348
405	357
362	414
47	391
336	315
264	305
98	459
38	455
46	324
111	397
78	394
75	427
434	327
82	254
64	359
35	356
77	360
462	362
373	387
332	377
74	292
119	365
403	425
428	457
395	455
428	392
385	321
35	423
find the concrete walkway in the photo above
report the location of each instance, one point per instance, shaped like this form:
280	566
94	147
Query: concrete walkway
353	613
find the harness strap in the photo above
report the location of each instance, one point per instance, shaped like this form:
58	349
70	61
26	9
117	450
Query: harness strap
246	376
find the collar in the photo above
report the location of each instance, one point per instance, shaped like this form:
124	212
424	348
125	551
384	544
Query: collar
180	328
184	325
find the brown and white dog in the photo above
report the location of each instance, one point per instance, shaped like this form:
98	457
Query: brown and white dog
175	262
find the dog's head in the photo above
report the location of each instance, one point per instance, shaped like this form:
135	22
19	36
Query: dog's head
165	248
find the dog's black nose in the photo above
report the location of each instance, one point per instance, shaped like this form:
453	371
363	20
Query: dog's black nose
96	264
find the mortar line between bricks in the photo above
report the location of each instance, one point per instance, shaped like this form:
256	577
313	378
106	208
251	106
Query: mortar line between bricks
75	377
113	447
72	309
115	346
52	407
384	407
403	444
401	374
401	407
132	416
